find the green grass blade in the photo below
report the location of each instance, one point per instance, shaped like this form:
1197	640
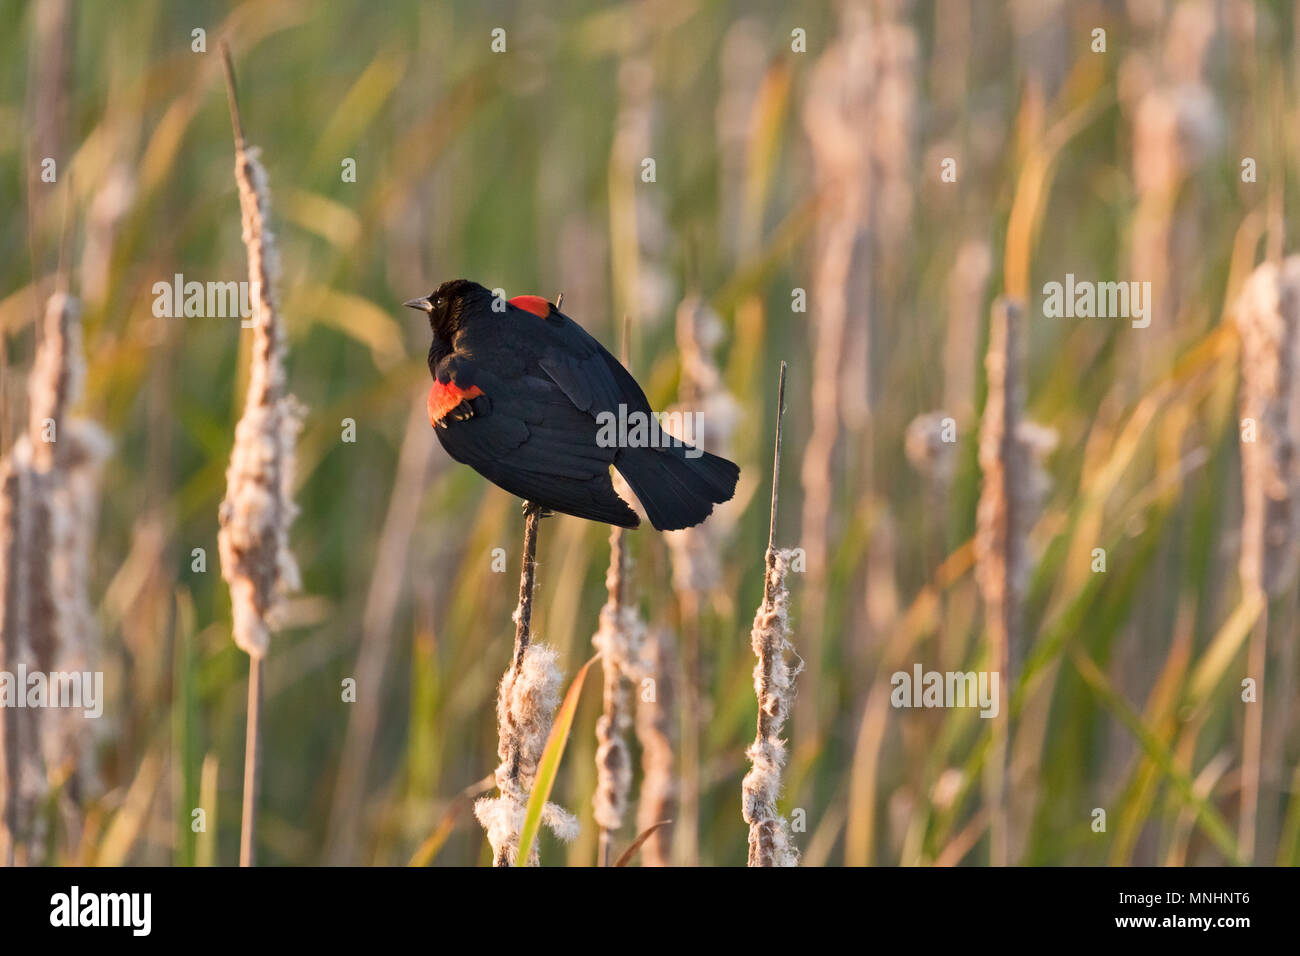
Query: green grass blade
549	765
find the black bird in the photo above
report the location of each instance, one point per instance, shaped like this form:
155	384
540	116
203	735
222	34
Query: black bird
527	398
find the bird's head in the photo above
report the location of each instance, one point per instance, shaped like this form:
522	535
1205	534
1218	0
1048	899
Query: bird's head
446	305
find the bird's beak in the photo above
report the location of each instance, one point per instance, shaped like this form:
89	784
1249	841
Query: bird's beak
423	304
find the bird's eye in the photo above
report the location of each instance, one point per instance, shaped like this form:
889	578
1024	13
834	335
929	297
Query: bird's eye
438	302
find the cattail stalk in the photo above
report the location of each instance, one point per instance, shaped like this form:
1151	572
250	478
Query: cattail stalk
1268	320
17	743
526	703
769	833
67	478
1000	536
255	515
655	732
618	639
49	492
1176	125
653	659
523	615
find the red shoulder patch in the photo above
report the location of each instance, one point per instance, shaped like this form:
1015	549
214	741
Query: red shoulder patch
532	303
443	398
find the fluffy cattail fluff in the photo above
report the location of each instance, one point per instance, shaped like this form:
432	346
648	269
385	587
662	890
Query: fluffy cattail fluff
66	456
258	508
656	727
1268	319
48	507
74	512
774	674
618	639
526	703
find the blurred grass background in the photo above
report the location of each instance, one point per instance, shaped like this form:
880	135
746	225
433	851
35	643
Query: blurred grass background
522	170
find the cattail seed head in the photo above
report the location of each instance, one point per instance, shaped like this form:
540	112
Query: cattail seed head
49	502
1002	516
56	379
774	674
618	639
526	703
1268	320
258	508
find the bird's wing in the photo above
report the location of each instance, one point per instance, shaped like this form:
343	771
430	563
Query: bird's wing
584	369
526	435
532	334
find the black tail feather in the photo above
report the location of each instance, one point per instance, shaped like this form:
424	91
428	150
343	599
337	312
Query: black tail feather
677	490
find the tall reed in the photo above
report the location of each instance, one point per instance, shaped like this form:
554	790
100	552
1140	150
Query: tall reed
770	843
253	540
1000	532
618	639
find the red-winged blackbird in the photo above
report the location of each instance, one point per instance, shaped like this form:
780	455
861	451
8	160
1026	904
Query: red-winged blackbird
523	395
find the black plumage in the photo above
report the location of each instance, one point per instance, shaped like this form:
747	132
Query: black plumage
516	395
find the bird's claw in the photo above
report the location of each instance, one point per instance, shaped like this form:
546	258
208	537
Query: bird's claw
462	412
